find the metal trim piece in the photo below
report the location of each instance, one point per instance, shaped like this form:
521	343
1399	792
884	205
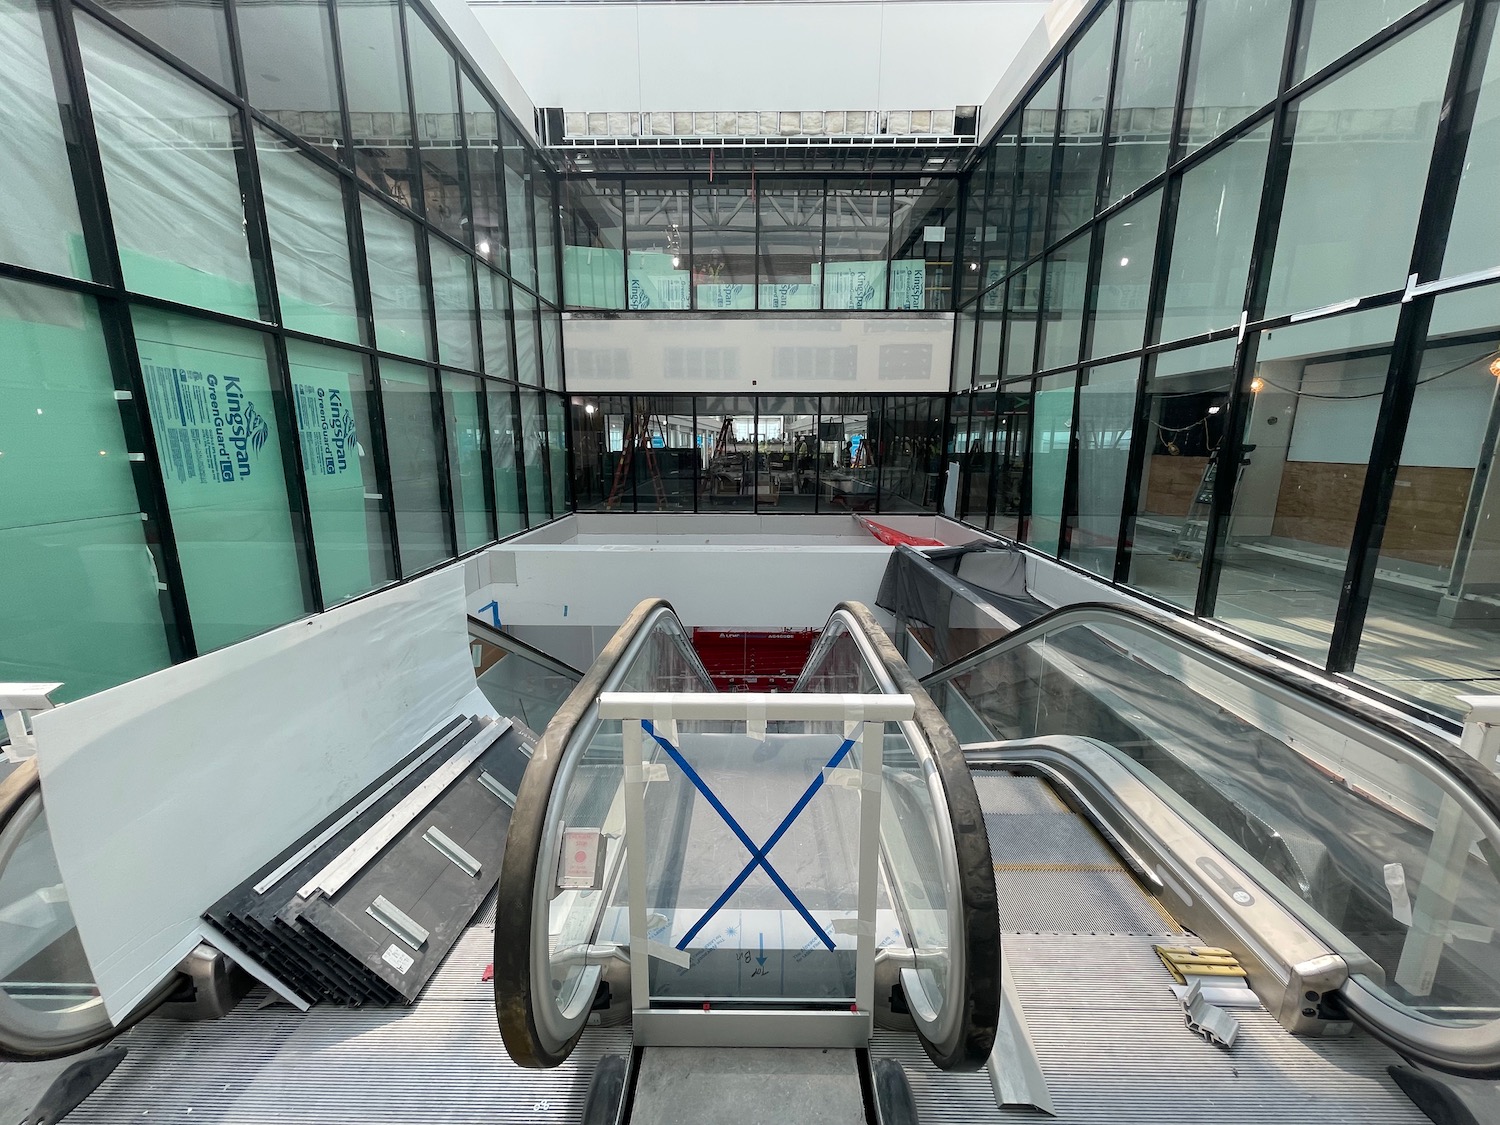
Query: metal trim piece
657	1028
333	829
487	779
403	925
1015	1071
451	851
347	863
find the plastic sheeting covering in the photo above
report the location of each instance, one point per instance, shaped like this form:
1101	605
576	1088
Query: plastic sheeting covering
893	538
966	596
164	793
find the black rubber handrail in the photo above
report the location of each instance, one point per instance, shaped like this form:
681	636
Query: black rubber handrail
514	925
1458	1050
974	1038
484	631
1442	751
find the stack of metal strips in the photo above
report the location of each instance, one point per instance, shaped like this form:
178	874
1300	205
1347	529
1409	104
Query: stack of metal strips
364	907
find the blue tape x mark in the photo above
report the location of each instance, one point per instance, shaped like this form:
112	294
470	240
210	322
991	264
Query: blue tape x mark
757	854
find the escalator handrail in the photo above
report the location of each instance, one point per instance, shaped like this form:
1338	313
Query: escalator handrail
1463	779
517	958
1472	1051
484	631
21	795
17	787
975	955
1293	683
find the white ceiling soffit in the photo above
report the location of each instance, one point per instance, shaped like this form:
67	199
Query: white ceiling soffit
766	55
479	49
1040	48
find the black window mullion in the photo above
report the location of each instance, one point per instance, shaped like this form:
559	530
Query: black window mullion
1069	515
1134	469
1106	131
755	215
890	247
546	429
992	490
346	125
518	447
487	458
817	451
520	442
465	180
1054	173
258	233
528	175
1438	200
1023	513
1156	293
754	454
502	193
120	343
823	246
692	184
1230	450
570	494
418	173
435	378
359	267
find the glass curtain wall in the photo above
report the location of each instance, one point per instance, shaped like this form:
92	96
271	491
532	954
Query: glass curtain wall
768	453
776	242
288	219
1229	395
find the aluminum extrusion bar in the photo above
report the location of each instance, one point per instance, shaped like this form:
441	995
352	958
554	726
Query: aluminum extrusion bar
343	868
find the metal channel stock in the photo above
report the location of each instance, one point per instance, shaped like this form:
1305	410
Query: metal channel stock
348	863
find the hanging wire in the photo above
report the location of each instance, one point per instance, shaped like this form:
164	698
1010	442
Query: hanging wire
1380	393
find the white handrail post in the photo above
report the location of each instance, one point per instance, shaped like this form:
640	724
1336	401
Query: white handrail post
19	702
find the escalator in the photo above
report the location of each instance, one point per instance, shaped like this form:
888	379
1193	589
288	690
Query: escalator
1049	807
1130	780
1346	851
712	952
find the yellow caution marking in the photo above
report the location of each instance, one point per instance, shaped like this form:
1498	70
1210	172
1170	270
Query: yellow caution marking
1055	867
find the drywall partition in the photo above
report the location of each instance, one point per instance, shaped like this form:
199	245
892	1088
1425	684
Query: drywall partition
761	586
708	353
163	793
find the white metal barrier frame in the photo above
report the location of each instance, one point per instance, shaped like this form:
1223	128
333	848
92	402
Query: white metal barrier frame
863	718
18	702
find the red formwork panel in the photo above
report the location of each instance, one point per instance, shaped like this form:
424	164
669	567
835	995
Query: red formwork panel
747	660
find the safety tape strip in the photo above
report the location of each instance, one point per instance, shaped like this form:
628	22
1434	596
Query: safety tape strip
757	854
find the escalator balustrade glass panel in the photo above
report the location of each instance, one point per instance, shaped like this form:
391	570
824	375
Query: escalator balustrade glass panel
519	682
1381	851
587	928
914	837
48	1001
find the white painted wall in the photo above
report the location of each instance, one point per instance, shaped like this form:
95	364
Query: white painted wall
713	354
710	585
706	54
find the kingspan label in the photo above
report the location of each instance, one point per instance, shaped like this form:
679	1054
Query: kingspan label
210	430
